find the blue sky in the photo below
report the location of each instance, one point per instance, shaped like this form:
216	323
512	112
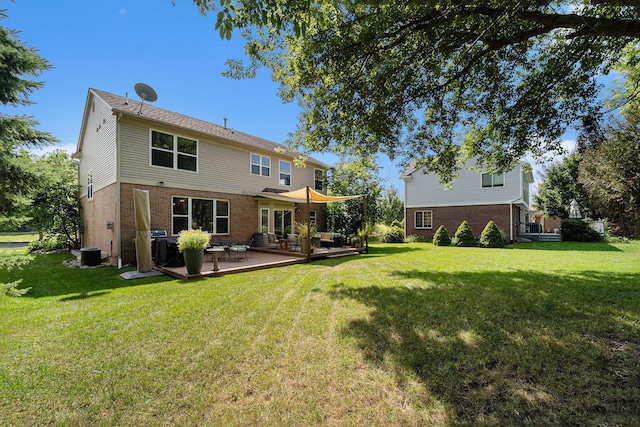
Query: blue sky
111	45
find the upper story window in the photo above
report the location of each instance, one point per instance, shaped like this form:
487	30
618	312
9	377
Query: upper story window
423	219
90	185
260	165
318	179
172	151
285	173
492	180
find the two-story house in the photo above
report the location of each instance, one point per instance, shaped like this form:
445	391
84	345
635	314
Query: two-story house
476	197
198	174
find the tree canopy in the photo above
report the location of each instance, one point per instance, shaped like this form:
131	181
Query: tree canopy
17	63
416	79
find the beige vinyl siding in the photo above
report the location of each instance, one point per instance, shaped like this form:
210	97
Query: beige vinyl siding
98	147
222	166
426	190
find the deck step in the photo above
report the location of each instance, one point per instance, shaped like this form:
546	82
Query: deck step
543	237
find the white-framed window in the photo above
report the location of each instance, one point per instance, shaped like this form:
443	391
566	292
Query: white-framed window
264	220
423	219
492	180
313	217
260	165
172	151
90	185
318	179
208	214
285	173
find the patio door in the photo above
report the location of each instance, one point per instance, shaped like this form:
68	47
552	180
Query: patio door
282	221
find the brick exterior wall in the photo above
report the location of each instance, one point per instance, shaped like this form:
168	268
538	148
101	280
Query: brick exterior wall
243	215
452	216
94	216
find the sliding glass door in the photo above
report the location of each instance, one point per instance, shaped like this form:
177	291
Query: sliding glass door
282	222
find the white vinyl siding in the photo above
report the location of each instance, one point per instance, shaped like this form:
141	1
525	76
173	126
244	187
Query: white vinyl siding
98	151
426	190
219	165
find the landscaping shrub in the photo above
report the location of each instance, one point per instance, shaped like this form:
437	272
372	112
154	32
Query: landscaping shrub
13	223
578	230
413	238
464	235
441	238
393	234
49	242
491	236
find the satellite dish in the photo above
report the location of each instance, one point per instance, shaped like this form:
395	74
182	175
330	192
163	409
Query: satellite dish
145	92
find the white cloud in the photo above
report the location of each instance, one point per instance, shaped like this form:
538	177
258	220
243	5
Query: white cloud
69	148
122	11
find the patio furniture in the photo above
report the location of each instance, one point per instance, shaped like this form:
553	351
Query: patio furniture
293	241
240	250
215	251
283	244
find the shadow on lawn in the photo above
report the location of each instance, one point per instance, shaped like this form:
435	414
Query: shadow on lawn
510	348
46	278
569	246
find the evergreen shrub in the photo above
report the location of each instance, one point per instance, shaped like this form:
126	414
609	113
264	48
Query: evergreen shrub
392	234
491	236
464	235
578	230
441	238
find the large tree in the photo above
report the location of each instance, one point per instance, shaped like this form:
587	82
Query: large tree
414	78
349	177
17	64
56	206
610	175
560	186
390	206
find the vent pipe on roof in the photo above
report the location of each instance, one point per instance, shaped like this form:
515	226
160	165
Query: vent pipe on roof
225	122
126	98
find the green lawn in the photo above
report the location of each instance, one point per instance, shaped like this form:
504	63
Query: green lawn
410	334
18	237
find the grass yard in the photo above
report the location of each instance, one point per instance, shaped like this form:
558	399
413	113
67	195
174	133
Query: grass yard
18	237
410	334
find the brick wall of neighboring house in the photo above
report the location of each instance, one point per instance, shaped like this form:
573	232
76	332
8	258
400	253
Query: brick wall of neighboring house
243	215
94	216
452	216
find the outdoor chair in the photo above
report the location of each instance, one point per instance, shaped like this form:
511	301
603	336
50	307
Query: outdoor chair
240	250
294	241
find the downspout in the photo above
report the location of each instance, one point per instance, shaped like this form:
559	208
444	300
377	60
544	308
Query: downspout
118	183
511	221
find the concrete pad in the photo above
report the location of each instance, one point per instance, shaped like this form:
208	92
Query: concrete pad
138	275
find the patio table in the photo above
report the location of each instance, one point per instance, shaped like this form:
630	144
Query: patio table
215	251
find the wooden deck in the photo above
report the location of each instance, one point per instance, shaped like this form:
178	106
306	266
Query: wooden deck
258	259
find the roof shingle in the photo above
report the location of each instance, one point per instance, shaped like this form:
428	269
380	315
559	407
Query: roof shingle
121	105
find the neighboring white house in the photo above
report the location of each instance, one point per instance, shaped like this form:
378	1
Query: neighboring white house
198	174
475	196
